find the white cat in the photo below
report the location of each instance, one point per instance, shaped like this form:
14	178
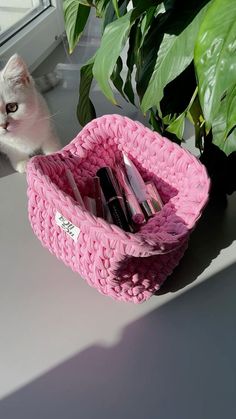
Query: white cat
25	122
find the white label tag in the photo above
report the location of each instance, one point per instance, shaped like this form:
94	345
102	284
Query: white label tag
67	226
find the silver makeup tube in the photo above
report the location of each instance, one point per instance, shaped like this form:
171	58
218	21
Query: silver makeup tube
134	208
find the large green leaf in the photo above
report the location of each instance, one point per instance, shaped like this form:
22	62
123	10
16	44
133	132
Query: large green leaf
149	45
152	28
75	16
174	55
85	108
219	128
113	42
214	58
224	123
231	110
227	146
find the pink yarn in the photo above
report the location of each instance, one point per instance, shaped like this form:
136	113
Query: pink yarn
126	266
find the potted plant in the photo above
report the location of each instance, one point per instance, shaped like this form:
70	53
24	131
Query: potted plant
180	64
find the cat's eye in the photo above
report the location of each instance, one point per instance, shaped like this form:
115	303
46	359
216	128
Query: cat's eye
11	107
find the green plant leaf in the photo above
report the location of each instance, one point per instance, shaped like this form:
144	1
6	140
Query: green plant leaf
224	139
116	77
195	116
132	59
146	22
75	16
113	42
178	93
174	55
84	2
155	122
128	88
85	108
230	110
116	8
225	120
148	51
152	28
215	56
101	7
218	128
110	14
177	126
144	5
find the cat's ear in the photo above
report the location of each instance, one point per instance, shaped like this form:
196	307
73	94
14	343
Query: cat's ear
16	71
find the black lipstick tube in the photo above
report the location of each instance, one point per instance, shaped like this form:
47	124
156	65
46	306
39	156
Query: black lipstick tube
113	199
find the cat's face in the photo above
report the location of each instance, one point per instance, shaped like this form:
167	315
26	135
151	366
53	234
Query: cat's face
17	97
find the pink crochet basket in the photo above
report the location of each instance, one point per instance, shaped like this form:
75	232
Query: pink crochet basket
125	266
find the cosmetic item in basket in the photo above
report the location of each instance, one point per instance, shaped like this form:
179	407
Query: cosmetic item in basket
98	197
133	208
74	188
115	202
154	196
139	187
90	204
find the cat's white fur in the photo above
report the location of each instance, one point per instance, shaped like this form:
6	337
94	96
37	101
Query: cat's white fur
28	129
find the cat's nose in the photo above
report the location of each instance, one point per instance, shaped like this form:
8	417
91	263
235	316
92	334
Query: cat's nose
4	125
